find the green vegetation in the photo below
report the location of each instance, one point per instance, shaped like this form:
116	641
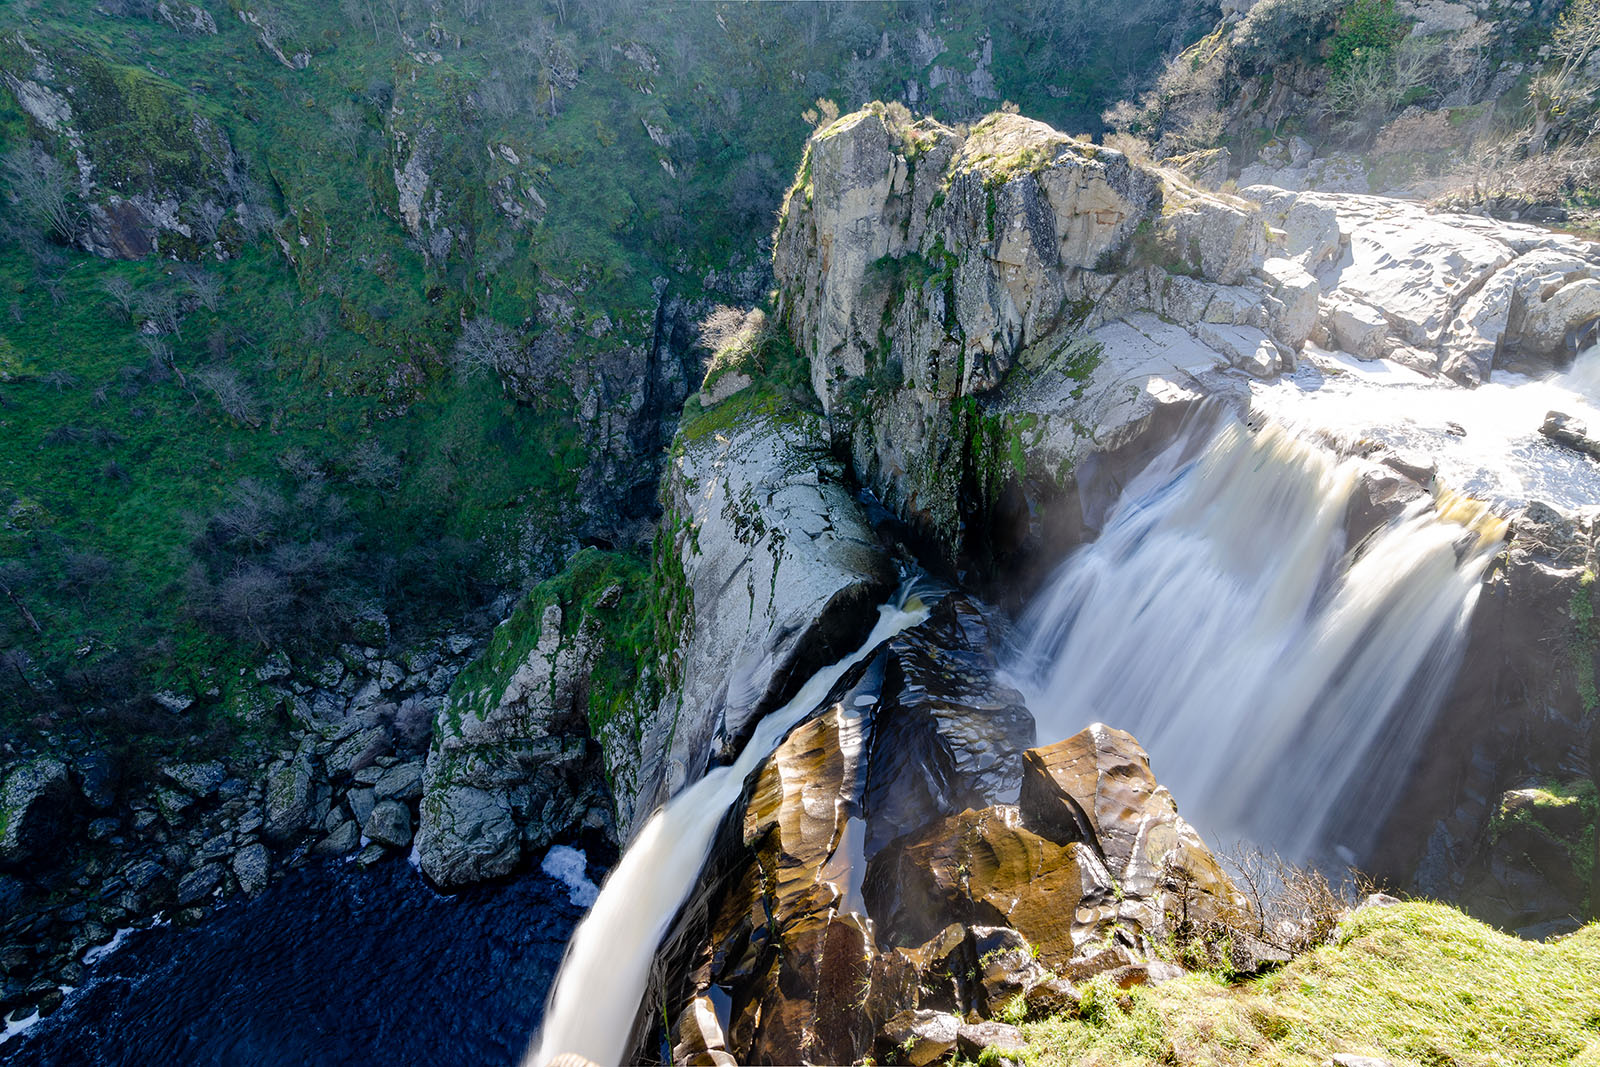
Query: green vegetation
609	591
1366	29
780	380
1585	641
256	436
1418	984
1565	813
143	472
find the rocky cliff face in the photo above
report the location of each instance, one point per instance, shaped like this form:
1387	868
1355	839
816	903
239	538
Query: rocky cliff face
989	313
843	917
779	569
153	174
511	766
923	269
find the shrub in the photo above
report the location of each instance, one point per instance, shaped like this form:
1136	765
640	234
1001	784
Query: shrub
1283	31
1366	29
42	191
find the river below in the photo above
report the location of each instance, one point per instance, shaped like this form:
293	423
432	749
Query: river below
332	965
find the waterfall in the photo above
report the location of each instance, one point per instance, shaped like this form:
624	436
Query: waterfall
1583	377
597	993
1280	683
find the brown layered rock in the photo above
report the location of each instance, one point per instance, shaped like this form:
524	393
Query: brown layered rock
1007	967
1097	787
808	980
984	868
830	938
918	1037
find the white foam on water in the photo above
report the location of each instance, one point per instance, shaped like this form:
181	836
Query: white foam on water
12	1029
570	867
1485	441
100	952
602	981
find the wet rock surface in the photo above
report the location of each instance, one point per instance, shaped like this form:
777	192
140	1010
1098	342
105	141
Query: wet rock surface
825	936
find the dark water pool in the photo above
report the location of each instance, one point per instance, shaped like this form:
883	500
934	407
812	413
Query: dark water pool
333	965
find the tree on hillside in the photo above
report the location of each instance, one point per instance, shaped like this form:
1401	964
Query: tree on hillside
485	344
1561	96
42	192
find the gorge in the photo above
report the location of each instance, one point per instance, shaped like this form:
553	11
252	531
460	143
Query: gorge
1049	599
1278	617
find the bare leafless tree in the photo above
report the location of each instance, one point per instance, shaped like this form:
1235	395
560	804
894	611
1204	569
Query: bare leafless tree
485	344
232	393
347	126
208	218
122	294
202	285
158	306
372	465
42	191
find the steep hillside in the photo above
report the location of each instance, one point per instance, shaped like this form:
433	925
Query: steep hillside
1487	104
322	311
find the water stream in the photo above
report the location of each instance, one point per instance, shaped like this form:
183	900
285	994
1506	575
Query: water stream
603	978
1484	441
1276	677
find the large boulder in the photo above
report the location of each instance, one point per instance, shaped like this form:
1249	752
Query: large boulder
1097	787
512	766
289	797
948	734
1447	294
985	868
36	798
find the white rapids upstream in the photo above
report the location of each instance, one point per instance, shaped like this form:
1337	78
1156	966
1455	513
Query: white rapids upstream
1270	673
602	981
1484	441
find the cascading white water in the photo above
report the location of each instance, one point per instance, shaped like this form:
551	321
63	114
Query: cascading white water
1484	441
602	980
1583	377
1220	620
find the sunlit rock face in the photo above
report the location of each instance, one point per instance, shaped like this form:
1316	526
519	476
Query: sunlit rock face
780	568
1439	293
946	288
832	908
1002	321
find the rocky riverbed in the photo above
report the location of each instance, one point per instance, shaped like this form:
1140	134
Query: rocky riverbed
91	846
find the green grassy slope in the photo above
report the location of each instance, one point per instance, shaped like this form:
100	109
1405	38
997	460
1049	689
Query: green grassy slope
1418	984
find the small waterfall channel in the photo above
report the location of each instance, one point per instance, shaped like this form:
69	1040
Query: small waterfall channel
1280	679
602	980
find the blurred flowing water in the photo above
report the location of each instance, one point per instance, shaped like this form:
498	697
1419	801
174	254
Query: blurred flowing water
1280	680
607	970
